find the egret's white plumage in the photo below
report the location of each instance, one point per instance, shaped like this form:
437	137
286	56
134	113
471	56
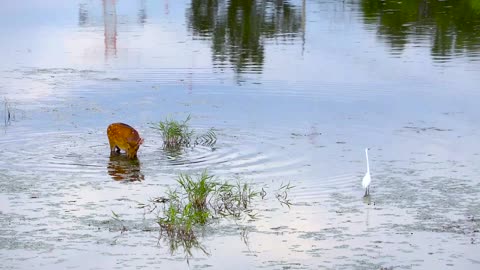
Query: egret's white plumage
367	179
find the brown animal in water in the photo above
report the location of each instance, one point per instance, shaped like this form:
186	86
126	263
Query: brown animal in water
123	136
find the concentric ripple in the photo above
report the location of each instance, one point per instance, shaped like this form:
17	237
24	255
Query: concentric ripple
85	154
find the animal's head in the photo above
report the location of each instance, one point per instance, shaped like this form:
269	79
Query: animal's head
134	145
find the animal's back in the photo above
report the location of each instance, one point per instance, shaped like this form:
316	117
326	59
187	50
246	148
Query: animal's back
121	131
124	137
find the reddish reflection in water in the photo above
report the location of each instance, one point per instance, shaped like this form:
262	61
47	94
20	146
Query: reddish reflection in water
120	168
108	20
110	30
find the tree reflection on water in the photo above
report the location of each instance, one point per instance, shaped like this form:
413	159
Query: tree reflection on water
238	29
453	28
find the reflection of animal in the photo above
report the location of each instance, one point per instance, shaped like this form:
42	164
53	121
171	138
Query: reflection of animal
120	168
123	136
367	179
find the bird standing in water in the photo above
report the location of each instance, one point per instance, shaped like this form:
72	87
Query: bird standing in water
367	179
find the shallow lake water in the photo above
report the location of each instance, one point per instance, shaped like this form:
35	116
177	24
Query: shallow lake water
295	90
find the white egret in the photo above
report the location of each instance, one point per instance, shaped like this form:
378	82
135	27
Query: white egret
367	179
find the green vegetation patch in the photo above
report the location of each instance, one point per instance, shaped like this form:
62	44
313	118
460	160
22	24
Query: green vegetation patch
198	200
177	134
202	199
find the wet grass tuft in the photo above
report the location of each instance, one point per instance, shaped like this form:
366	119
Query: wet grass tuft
203	199
282	194
198	191
197	200
235	200
177	134
117	218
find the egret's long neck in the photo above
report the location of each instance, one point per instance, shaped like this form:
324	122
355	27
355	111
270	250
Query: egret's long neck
366	154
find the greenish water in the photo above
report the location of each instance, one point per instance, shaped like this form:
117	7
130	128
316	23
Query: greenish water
295	91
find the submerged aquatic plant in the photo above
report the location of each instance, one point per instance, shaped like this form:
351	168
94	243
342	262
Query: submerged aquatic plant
234	200
207	139
177	134
187	240
282	194
117	218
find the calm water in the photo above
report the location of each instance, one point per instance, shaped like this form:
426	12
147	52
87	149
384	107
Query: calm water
295	90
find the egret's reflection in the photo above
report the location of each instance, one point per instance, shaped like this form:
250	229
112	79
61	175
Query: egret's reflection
368	201
121	168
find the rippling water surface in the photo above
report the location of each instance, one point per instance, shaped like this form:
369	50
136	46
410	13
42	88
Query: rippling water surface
295	91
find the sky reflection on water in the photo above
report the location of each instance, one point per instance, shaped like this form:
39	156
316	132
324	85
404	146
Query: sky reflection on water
296	89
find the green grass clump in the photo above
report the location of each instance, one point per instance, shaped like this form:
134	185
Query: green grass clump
201	199
177	134
182	218
198	191
197	200
177	226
